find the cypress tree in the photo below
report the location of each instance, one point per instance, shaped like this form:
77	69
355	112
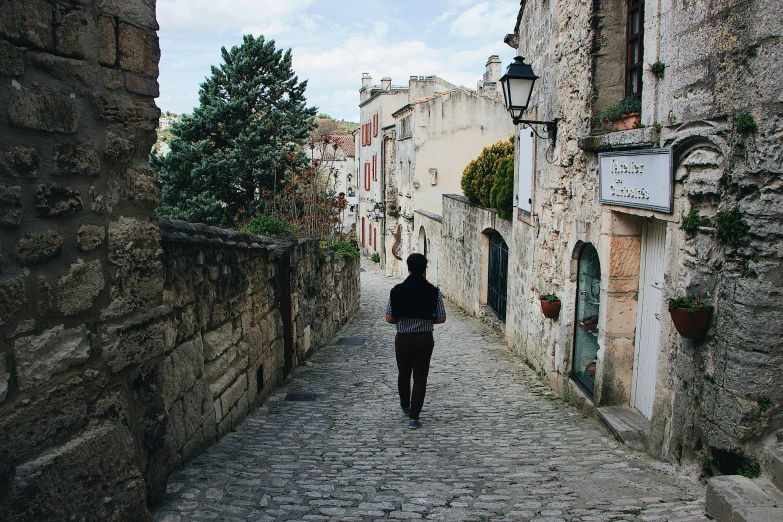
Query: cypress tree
246	134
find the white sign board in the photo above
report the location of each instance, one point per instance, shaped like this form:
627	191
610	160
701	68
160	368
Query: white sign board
525	184
639	179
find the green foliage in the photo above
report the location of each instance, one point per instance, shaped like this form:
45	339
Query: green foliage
375	257
552	298
501	197
750	469
730	227
658	69
393	211
691	303
268	226
745	124
247	132
478	178
691	222
345	247
624	107
765	403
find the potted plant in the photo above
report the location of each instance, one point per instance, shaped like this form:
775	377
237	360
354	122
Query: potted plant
624	115
550	305
690	316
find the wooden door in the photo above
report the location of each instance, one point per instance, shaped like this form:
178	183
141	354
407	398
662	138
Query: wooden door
648	316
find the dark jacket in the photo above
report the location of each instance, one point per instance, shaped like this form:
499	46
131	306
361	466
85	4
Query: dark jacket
414	297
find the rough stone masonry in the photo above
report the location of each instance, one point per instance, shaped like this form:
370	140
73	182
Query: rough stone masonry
126	345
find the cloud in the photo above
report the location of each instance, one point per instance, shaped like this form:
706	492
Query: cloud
193	17
497	18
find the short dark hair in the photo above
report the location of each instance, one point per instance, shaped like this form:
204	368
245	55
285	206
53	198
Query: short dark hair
417	264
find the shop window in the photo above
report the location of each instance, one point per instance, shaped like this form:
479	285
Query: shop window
634	53
588	293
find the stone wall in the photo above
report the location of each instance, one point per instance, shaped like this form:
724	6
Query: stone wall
464	251
79	256
225	291
121	355
719	398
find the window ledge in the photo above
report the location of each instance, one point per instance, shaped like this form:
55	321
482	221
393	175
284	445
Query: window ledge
644	138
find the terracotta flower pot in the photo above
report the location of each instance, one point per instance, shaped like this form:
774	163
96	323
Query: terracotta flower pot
691	325
551	309
628	122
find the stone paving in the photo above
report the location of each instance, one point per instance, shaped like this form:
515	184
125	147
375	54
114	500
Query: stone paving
494	444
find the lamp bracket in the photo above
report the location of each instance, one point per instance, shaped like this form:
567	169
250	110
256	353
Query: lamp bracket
550	127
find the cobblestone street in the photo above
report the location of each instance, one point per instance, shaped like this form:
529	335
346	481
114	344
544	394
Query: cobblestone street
494	444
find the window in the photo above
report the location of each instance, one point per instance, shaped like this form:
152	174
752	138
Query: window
375	125
363	233
374	167
375	239
405	127
367	176
634	54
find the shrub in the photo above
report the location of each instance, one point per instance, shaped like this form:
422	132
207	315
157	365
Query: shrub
552	298
692	221
730	227
691	303
267	226
375	257
624	107
478	178
745	124
658	69
501	197
345	248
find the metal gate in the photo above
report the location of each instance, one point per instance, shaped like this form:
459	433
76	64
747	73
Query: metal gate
498	275
648	318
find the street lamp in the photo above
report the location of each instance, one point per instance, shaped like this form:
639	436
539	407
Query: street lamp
376	214
517	89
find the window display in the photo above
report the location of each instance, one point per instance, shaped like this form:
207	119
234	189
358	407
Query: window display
588	295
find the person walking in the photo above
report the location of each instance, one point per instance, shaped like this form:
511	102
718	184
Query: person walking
415	306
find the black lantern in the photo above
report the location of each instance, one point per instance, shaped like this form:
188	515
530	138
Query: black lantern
518	85
350	192
376	214
348	177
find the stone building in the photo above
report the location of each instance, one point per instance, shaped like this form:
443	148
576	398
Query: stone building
128	344
435	130
600	221
376	105
337	159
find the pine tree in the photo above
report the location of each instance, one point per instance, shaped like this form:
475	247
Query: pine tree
246	134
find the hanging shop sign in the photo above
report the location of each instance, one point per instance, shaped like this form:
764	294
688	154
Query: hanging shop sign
638	179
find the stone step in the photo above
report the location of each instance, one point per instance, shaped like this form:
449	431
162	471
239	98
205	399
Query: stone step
734	498
777	471
627	424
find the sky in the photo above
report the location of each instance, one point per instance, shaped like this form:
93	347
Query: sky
333	42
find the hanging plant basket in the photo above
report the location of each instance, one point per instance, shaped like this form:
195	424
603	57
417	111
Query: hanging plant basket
691	325
690	316
550	306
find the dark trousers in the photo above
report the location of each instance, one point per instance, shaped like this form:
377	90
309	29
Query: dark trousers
413	351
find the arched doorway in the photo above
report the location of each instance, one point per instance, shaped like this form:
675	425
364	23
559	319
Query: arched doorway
497	276
422	249
588	293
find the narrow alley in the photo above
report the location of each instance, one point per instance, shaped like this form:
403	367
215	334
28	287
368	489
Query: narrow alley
494	443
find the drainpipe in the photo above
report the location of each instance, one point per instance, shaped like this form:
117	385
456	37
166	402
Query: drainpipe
383	198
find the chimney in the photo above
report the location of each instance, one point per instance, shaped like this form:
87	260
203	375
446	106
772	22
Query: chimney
493	72
366	80
385	83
